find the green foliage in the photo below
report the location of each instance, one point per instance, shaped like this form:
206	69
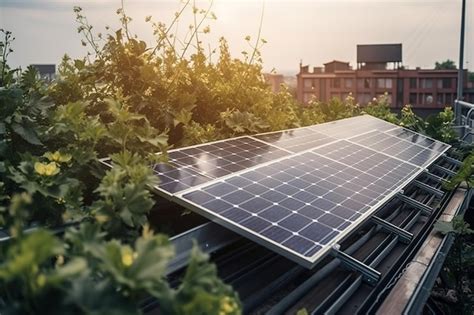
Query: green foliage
456	226
87	274
380	107
448	64
410	120
456	273
335	109
441	126
463	175
124	199
51	138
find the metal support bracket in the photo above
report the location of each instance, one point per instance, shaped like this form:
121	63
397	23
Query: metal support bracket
369	274
444	170
404	235
415	203
434	177
452	160
429	189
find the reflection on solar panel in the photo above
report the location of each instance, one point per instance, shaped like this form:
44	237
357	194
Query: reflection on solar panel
195	165
296	140
299	191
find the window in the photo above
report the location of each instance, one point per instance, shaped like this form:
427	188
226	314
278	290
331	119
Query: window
412	99
426	83
440	98
308	83
445	83
427	98
348	83
363	83
449	99
336	83
413	83
383	83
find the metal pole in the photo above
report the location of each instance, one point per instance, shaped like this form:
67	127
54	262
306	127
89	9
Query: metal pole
461	63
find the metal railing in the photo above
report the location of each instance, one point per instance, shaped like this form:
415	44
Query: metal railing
464	124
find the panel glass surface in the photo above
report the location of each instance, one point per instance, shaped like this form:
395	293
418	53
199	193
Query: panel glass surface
296	140
401	147
305	202
419	139
189	167
298	191
346	128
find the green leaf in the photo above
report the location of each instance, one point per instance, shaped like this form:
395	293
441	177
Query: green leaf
27	133
443	227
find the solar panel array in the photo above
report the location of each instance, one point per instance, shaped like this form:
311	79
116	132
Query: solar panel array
298	191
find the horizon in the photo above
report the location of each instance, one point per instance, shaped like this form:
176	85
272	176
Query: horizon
428	31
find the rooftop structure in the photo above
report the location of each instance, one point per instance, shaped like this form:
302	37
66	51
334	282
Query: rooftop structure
350	266
46	71
422	88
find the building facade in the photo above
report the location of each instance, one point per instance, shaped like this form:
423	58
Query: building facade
422	88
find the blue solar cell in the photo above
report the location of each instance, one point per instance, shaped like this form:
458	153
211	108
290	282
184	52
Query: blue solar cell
199	197
298	244
311	212
316	231
275	213
292	203
277	234
237	197
236	215
273	196
343	212
218	205
256	204
220	189
294	222
256	224
331	220
306	201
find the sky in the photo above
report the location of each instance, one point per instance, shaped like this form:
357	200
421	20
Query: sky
311	31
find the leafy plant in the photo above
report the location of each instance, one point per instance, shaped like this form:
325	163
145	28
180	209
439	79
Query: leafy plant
458	267
441	126
463	175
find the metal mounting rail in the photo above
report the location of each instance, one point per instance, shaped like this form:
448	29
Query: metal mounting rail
429	189
444	170
369	274
415	203
452	160
435	177
404	235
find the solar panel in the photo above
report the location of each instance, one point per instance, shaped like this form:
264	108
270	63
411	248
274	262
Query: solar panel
304	202
403	144
192	166
298	191
296	140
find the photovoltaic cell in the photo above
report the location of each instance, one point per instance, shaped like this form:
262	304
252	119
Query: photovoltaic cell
298	191
346	128
305	201
296	140
403	144
189	167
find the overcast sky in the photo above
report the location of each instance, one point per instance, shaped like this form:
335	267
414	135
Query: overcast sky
312	31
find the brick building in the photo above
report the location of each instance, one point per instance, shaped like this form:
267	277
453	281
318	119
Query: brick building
379	70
